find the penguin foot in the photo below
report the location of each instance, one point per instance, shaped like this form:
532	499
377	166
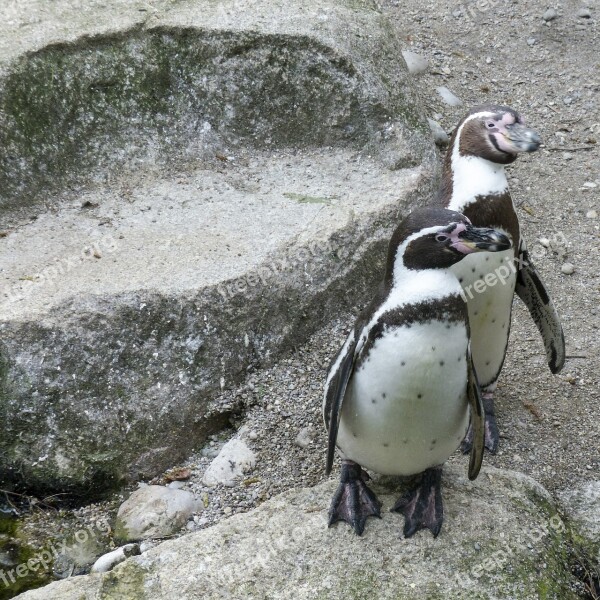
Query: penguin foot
492	435
353	501
422	507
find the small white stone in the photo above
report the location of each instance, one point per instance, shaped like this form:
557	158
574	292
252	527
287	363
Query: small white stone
584	13
252	435
416	63
568	269
229	466
488	60
531	41
591	214
590	185
549	15
448	97
305	437
112	559
544	242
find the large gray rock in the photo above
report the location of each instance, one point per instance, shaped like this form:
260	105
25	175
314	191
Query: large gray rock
211	181
154	511
502	539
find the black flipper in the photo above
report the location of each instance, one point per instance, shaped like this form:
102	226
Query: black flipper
492	435
478	421
353	501
335	393
422	507
532	292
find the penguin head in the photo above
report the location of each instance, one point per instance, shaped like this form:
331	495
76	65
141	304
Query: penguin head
495	133
437	238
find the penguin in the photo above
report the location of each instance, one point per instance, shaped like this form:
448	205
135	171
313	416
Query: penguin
474	183
397	395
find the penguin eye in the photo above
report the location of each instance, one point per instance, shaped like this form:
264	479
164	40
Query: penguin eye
440	237
490	124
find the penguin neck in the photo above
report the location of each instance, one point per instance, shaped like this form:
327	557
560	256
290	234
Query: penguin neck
468	178
411	286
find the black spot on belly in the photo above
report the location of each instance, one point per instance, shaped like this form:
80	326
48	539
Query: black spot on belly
459	358
354	434
383	395
460	280
487	363
433	348
433	442
503	325
487	258
419	395
473	270
402	363
373	401
476	312
386	444
447	326
405	441
441	363
493	320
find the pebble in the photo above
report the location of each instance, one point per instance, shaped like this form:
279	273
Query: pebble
305	437
590	185
549	15
448	97
107	561
591	214
584	13
416	63
544	242
227	510
568	268
531	41
440	137
234	460
252	435
568	100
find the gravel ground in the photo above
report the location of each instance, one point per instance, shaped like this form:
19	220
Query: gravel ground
550	71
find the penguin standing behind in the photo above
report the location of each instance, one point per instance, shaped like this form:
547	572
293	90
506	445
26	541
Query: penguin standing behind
474	184
397	395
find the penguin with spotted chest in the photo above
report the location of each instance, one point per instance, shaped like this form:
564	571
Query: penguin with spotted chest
399	393
474	183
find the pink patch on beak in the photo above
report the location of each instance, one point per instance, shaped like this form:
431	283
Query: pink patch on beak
457	243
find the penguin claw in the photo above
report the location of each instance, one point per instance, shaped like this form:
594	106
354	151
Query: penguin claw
353	501
422	507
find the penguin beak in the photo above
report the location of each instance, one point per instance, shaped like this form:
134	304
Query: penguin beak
521	138
478	239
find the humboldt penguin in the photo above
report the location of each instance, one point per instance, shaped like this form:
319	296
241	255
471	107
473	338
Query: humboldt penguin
474	183
398	394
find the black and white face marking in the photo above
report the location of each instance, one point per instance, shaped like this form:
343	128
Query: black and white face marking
497	134
442	247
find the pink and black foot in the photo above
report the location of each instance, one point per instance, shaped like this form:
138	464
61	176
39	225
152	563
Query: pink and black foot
353	501
422	507
492	435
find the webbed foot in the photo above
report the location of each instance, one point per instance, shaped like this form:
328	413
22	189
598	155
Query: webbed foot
492	435
422	507
353	501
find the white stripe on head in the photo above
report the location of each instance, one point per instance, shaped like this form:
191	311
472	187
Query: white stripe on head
473	176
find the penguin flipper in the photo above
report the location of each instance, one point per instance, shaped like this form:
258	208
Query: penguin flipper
477	420
533	293
336	390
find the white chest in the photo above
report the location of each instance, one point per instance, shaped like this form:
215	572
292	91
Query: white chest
488	282
406	409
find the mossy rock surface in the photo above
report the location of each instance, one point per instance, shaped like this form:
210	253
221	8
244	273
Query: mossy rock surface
502	539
